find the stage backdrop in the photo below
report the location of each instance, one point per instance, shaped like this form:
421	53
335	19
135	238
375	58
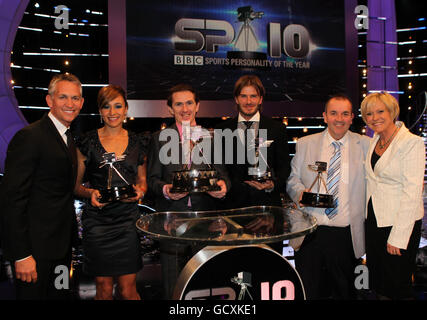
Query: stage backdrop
11	118
299	49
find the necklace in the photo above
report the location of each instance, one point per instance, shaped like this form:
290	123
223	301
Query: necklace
382	145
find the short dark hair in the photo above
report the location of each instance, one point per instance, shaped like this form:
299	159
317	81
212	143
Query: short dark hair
109	93
63	77
182	87
249	80
338	96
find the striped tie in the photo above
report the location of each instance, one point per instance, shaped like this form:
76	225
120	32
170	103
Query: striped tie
334	175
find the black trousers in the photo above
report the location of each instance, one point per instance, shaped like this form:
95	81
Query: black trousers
49	285
173	258
326	264
390	275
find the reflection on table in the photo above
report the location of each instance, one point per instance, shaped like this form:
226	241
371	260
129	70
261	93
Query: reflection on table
261	224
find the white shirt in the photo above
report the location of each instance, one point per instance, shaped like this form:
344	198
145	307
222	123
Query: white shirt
59	126
342	219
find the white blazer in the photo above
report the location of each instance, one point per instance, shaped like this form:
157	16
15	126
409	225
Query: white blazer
396	184
308	150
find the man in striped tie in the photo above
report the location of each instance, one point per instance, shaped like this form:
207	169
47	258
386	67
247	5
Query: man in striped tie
326	259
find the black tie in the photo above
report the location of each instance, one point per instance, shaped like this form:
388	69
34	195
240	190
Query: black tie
72	151
248	125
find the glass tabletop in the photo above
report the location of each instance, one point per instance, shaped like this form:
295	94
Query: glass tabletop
251	225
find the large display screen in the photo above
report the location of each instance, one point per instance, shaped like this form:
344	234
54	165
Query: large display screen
297	48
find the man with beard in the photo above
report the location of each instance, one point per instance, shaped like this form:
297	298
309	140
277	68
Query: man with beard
245	191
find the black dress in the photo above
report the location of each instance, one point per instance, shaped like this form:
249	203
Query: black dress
111	244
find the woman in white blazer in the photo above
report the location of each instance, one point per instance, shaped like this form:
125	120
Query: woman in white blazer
394	168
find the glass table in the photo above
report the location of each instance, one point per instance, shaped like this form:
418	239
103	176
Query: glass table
235	261
252	225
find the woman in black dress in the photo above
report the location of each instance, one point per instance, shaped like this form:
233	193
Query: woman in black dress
111	246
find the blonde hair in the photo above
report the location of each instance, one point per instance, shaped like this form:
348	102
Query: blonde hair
386	98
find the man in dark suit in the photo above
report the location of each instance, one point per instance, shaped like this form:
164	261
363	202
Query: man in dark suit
183	104
248	95
38	217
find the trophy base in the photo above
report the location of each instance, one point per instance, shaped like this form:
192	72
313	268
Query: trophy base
317	200
194	181
260	176
116	194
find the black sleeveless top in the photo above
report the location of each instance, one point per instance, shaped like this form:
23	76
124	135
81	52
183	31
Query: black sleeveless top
374	159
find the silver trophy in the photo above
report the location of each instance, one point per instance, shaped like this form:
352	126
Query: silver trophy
318	200
190	179
114	193
259	169
195	180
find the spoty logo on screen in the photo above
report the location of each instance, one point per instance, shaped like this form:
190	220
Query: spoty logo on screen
296	39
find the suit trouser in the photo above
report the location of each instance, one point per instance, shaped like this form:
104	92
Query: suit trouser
49	285
326	263
173	258
390	275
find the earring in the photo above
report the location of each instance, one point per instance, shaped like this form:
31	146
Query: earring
102	121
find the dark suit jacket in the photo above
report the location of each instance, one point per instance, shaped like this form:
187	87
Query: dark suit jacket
159	174
243	195
37	207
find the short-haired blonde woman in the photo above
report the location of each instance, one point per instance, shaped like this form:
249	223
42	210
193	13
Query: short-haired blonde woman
395	167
